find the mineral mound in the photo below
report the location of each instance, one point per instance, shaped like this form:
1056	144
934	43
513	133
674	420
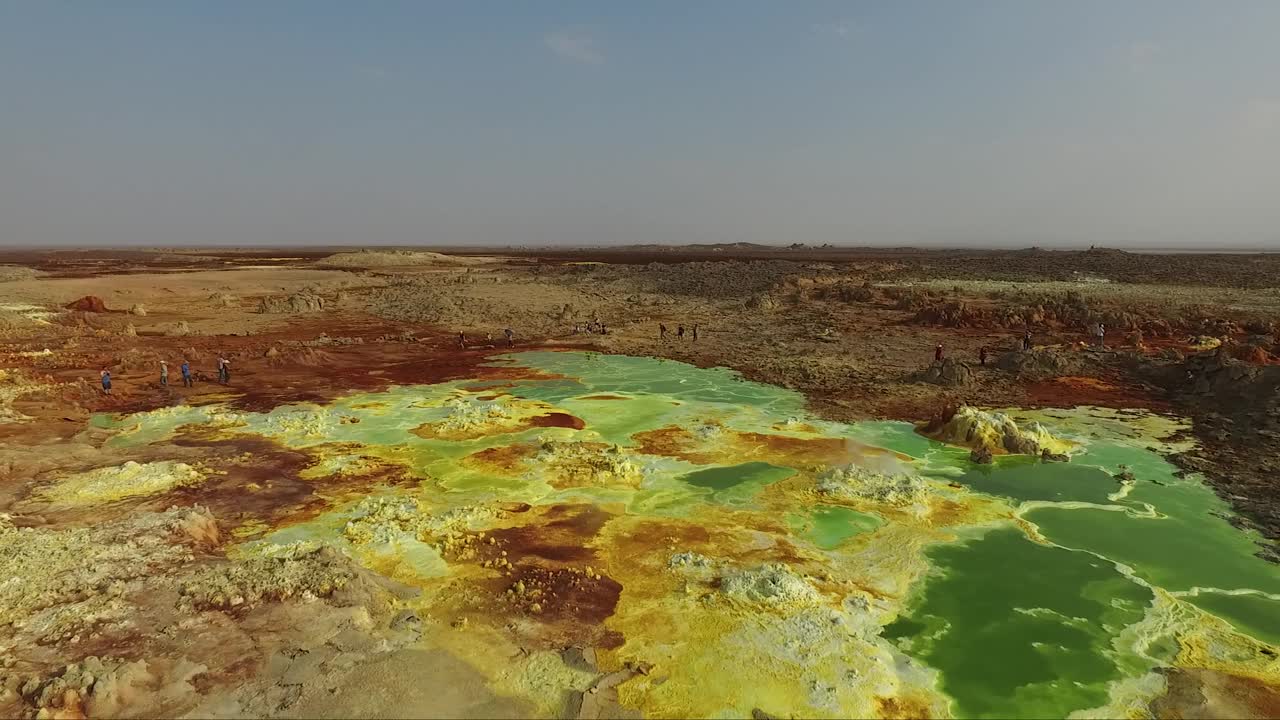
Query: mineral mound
992	433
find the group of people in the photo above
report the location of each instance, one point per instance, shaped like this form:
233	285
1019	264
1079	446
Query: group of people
662	331
507	335
983	353
224	374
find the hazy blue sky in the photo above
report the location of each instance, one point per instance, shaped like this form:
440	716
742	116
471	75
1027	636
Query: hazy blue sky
1124	122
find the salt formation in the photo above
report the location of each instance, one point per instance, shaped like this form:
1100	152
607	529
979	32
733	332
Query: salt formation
467	418
576	463
131	479
993	433
774	585
60	582
299	570
467	415
385	519
295	423
13	385
858	483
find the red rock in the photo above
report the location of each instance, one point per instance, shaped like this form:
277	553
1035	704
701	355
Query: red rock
89	303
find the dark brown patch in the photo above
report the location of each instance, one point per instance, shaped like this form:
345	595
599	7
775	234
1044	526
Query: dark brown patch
503	458
261	481
541	573
558	419
1199	692
564	594
673	442
559	533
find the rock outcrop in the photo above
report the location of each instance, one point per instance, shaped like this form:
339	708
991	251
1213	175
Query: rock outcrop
88	303
393	258
948	372
302	302
224	300
1041	363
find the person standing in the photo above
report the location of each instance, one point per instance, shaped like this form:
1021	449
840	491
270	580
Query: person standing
164	374
982	355
462	341
1026	341
937	353
662	331
224	370
680	332
511	337
186	374
695	332
106	381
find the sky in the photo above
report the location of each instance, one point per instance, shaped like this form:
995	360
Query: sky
1141	123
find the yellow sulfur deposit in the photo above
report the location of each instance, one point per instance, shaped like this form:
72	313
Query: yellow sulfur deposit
131	479
996	433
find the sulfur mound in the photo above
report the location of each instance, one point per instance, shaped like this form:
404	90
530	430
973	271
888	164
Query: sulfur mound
300	570
992	433
467	419
773	585
384	519
858	483
115	483
577	464
61	582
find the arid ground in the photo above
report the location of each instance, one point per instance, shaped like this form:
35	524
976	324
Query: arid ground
159	551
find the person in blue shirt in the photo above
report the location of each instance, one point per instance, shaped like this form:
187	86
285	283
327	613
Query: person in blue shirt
186	374
106	381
